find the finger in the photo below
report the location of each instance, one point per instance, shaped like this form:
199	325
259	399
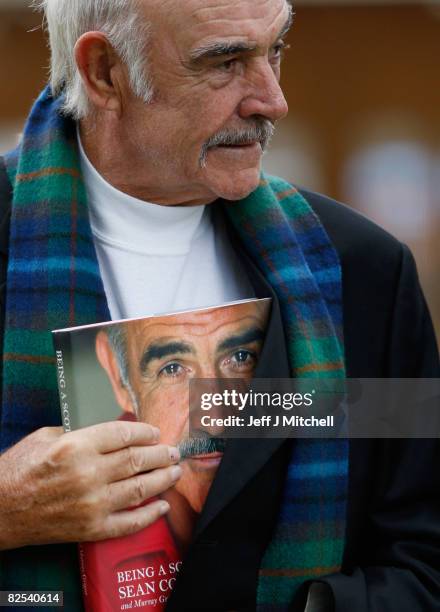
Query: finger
134	460
134	491
132	521
112	436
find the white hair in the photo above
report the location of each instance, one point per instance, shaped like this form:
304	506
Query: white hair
117	338
118	20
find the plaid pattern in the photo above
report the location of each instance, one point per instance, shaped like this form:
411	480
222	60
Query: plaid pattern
283	235
54	282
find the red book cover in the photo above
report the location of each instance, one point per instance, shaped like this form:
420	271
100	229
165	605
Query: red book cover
140	369
134	571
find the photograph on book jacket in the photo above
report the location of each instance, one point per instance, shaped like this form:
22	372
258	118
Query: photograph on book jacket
140	370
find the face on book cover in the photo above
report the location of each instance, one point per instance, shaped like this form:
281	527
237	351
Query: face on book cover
162	355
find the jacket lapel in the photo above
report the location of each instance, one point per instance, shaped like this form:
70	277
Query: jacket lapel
243	458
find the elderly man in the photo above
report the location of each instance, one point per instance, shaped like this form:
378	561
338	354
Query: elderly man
137	189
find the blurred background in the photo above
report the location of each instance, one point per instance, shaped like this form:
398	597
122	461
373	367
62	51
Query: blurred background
362	82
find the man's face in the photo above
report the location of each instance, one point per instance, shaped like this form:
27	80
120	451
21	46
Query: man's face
215	68
164	354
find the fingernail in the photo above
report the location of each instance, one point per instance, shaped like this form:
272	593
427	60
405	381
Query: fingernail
156	433
174	453
176	472
164	507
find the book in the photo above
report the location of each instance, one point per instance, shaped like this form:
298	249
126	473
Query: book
140	369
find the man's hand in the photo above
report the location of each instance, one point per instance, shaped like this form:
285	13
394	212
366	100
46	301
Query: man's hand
57	487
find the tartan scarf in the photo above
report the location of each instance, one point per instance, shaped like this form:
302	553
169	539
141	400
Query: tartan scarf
54	282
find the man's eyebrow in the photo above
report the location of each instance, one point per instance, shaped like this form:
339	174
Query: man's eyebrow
219	48
160	349
254	334
286	27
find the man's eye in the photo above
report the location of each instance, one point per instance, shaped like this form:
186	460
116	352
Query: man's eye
228	65
278	50
242	360
242	356
171	370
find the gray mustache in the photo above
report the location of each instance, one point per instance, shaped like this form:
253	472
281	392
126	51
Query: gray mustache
201	446
261	131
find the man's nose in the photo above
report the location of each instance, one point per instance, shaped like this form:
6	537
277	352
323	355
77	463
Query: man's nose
266	97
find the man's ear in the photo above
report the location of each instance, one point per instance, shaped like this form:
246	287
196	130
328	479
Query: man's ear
109	362
101	70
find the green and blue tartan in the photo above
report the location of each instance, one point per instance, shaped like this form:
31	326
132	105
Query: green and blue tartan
54	282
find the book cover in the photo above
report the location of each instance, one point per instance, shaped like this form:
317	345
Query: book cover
139	369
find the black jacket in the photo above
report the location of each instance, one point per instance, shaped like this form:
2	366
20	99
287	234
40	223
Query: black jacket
392	553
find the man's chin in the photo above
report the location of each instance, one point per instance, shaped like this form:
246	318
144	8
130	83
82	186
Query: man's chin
232	173
235	185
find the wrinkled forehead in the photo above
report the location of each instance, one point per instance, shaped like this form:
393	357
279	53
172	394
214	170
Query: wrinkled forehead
202	20
196	326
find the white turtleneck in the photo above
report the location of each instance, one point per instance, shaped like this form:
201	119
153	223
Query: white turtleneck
155	259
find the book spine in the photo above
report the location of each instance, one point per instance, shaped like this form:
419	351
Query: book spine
62	351
63	355
83	573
